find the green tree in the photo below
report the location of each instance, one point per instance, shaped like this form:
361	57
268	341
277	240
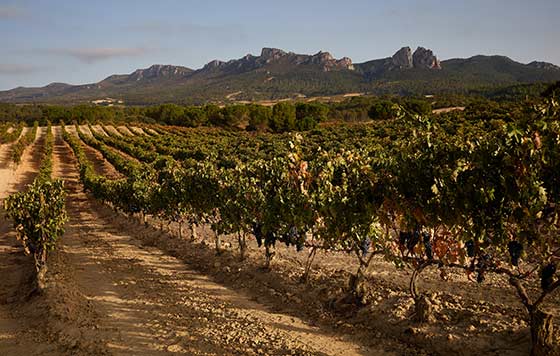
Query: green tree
283	117
317	111
259	116
214	114
420	107
382	110
235	115
194	116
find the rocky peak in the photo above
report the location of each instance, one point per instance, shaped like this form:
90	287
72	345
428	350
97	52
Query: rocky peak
158	71
323	57
346	63
328	62
213	64
271	54
543	65
403	58
425	58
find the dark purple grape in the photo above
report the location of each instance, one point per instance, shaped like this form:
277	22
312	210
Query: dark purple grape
470	248
515	249
413	241
428	245
257	231
291	237
480	277
365	244
270	238
403	238
547	276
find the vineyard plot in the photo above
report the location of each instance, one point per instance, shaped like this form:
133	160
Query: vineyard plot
126	275
156	303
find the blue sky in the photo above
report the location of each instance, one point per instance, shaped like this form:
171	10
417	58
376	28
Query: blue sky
85	41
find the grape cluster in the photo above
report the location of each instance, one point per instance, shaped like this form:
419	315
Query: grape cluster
470	248
365	244
484	262
409	239
428	245
270	238
515	249
257	231
294	237
133	208
547	276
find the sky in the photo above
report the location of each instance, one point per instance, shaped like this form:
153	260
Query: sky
76	42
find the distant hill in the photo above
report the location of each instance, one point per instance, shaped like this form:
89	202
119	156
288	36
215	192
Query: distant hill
276	74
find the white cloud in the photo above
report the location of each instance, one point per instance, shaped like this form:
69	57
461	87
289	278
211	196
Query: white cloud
17	69
91	55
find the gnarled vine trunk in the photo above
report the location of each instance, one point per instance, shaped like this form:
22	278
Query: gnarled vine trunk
269	254
359	287
423	309
309	264
218	243
542	333
542	328
194	234
41	270
242	245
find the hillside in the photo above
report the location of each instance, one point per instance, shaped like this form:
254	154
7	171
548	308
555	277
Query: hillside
276	74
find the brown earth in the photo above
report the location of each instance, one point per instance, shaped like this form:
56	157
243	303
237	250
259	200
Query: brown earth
124	130
446	110
137	130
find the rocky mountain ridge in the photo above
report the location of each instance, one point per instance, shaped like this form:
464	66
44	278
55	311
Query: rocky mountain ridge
276	73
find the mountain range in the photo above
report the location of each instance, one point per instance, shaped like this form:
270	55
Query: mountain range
276	74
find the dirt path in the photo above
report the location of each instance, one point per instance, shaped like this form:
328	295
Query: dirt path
137	130
85	129
446	110
150	131
18	332
125	130
99	129
149	303
100	165
112	130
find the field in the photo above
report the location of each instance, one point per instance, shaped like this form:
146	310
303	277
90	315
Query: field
137	272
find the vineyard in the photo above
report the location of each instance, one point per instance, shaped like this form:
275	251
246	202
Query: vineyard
417	235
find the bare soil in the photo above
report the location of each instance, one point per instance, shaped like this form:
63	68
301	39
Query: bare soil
446	110
137	130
